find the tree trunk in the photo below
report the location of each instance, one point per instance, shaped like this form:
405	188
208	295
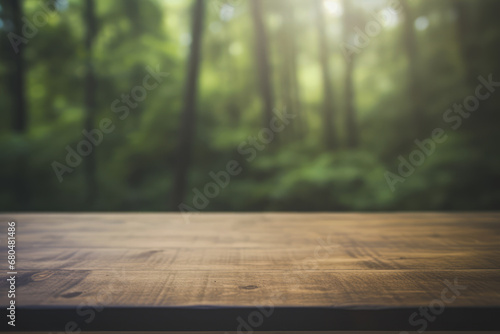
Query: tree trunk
463	32
262	58
350	109
90	100
410	46
189	110
20	113
133	11
328	106
291	77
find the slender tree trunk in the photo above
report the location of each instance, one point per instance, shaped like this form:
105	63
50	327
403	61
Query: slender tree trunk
285	75
20	113
350	109
467	49
329	108
410	46
292	84
188	116
262	58
133	10
90	100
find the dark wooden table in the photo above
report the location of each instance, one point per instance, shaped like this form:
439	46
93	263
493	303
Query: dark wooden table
254	272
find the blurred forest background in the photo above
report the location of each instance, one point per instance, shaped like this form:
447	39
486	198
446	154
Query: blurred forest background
364	81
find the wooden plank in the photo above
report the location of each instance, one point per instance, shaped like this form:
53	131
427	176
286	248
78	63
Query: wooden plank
323	266
258	230
256	259
357	288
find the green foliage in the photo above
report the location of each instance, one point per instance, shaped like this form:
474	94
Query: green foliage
136	161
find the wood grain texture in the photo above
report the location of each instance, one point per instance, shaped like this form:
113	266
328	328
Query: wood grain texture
344	267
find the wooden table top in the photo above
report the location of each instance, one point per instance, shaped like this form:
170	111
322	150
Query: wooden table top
264	272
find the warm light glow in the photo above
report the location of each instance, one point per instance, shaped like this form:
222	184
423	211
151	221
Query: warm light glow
333	7
390	18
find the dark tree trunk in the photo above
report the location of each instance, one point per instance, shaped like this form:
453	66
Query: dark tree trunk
350	109
410	46
133	10
463	32
20	113
262	58
188	116
328	106
90	100
291	80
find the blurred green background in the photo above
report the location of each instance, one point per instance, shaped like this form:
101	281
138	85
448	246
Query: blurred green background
364	80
